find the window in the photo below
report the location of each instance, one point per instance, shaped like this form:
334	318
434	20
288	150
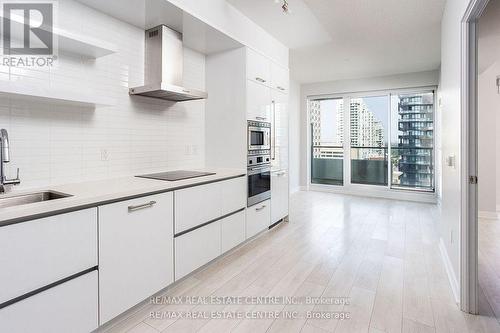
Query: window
412	141
369	123
327	138
384	140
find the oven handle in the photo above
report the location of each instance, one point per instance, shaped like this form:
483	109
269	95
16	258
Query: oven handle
253	171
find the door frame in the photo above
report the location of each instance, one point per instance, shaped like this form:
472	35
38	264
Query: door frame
468	160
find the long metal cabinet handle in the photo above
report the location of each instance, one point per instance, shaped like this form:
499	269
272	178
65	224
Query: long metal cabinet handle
274	130
143	206
260	208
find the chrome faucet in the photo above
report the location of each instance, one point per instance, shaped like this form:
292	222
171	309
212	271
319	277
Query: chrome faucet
5	158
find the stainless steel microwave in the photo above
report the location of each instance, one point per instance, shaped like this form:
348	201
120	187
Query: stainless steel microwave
259	135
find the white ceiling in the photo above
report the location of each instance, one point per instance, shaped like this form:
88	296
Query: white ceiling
344	39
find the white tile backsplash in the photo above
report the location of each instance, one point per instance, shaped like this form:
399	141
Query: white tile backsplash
54	144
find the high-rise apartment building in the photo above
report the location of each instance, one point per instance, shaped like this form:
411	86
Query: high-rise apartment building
366	130
416	135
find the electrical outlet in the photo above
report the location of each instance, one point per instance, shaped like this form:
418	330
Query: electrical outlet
104	154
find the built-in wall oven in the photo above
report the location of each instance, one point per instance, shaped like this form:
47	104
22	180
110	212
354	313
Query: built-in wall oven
259	135
259	177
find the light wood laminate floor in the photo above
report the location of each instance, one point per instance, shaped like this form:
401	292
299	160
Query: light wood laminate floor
381	254
489	267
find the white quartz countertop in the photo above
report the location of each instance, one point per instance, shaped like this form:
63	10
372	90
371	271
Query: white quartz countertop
94	193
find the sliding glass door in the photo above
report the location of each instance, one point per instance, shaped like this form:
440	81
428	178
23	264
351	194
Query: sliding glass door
327	139
382	139
369	123
412	141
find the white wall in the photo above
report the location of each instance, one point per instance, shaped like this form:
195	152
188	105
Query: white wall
60	144
294	135
488	110
449	94
221	15
410	80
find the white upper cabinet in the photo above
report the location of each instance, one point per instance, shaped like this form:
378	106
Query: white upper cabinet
258	67
280	78
259	102
135	251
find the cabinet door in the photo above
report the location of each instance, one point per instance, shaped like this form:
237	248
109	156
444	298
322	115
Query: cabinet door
258	102
279	195
135	252
232	231
279	129
196	248
37	253
280	78
68	307
258	67
258	218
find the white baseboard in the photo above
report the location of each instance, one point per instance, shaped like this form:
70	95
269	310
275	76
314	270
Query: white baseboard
374	192
449	271
486	215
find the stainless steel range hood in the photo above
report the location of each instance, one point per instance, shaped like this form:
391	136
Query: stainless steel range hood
163	67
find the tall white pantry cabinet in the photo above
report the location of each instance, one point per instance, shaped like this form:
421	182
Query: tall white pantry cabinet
246	85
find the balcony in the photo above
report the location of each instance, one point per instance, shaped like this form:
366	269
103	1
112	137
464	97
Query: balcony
369	165
327	165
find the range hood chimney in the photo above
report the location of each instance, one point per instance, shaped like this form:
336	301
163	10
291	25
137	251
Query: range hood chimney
163	67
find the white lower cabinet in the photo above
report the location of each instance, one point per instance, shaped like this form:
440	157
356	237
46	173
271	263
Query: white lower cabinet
135	252
196	248
36	253
258	218
232	231
68	307
279	195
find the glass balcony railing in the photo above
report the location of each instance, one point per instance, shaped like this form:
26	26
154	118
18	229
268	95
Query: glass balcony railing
327	165
369	165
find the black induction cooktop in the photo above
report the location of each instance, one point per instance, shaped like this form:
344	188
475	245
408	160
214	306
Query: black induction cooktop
176	175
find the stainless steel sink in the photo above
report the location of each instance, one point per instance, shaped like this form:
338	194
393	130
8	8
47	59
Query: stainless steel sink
23	199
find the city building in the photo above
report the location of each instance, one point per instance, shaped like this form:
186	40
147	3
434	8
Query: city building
415	146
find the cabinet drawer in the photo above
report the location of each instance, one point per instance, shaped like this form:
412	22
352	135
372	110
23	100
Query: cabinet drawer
135	252
68	307
204	203
232	231
196	248
197	205
234	194
37	253
258	218
258	67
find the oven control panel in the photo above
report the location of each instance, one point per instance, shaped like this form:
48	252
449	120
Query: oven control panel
258	157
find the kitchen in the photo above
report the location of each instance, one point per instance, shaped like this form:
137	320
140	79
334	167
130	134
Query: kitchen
140	156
